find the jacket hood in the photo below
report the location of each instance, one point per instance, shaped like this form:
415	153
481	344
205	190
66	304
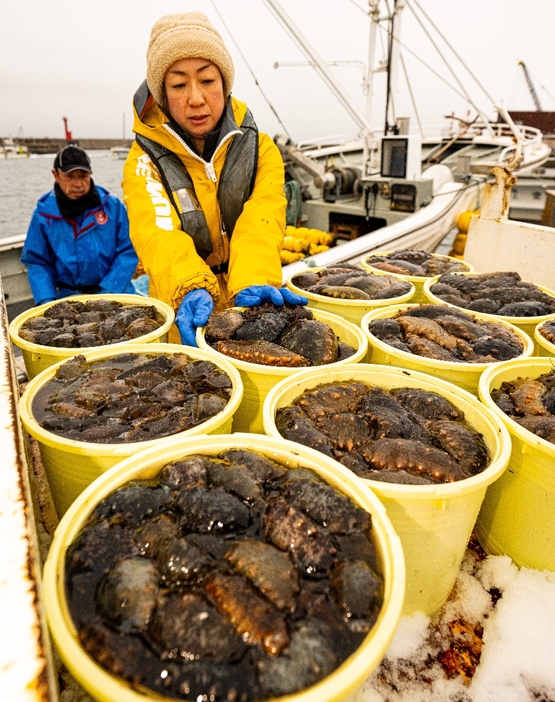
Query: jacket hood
48	205
150	122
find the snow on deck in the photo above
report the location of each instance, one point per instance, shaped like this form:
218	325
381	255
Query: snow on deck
25	672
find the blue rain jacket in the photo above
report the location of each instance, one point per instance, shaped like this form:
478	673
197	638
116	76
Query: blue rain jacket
90	254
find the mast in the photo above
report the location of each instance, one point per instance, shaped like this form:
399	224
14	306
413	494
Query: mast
374	22
393	65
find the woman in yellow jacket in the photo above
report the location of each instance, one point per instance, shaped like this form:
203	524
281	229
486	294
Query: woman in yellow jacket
203	188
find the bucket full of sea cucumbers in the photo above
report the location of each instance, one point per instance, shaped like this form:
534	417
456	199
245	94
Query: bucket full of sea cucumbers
428	449
451	344
349	291
413	266
518	514
90	412
230	567
58	330
300	337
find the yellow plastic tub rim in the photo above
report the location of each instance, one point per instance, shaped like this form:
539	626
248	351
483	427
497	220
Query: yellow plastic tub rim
417	280
434	522
527	324
544	347
340	686
258	379
72	465
37	358
351	310
518	514
464	375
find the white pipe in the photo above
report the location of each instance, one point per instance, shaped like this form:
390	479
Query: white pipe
517	158
311	54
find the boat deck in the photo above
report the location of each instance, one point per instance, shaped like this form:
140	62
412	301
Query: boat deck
30	669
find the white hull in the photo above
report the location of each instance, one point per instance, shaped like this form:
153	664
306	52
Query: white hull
14	154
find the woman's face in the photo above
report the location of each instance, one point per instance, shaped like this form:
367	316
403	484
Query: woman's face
195	95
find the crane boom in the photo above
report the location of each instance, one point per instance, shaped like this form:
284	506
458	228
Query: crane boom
531	86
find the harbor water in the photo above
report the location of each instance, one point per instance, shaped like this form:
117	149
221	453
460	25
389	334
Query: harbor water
24	180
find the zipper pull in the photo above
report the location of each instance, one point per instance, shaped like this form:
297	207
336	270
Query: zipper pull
210	172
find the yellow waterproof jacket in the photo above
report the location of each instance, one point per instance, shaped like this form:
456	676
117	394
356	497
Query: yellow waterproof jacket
168	254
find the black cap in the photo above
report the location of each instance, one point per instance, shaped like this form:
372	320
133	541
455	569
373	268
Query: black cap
72	158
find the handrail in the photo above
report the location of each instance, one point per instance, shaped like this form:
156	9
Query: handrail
318	142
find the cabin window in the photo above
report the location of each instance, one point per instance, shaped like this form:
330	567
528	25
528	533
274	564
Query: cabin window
394	158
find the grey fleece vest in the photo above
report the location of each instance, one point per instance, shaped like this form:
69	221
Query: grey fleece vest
235	185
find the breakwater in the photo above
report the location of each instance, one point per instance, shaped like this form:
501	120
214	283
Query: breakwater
46	145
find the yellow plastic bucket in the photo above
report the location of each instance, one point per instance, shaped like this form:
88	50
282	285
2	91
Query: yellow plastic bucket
258	379
351	310
518	513
464	375
434	522
73	465
527	324
417	280
543	346
342	685
37	357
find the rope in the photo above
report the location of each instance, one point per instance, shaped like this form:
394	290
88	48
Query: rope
541	86
452	49
441	78
358	7
412	96
436	47
251	71
293	210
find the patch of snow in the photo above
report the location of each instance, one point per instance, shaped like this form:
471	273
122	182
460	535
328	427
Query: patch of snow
498	625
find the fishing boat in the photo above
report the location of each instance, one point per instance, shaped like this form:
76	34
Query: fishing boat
387	190
9	149
394	188
120	152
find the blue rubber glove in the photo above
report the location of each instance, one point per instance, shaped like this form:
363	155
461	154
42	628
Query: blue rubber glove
141	285
193	312
258	294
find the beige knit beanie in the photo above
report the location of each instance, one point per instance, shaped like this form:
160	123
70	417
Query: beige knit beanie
187	35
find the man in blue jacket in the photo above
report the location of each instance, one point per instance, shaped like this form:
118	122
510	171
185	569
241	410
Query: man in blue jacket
78	240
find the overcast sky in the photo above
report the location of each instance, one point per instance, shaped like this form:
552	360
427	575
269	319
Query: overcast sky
84	60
